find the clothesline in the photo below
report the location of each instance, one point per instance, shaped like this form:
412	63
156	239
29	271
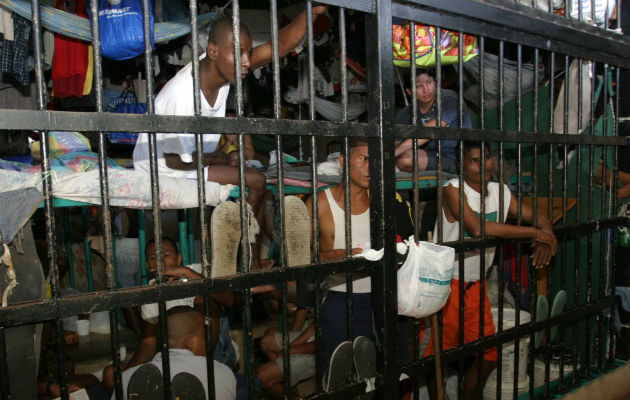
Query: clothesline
79	28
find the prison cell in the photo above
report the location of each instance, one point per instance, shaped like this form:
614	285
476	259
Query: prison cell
518	129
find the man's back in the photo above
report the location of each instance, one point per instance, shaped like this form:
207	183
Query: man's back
183	360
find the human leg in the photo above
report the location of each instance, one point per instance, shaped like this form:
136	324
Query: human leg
256	186
405	160
272	379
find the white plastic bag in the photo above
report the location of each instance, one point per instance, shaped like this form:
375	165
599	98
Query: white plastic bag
424	280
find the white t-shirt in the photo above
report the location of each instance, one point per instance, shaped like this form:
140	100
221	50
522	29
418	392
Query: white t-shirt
183	360
176	98
451	229
150	312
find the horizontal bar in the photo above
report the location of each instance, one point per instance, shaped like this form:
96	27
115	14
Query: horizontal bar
110	122
367	6
32	312
425	132
521	24
581	228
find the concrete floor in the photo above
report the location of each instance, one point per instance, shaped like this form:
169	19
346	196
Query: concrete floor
94	351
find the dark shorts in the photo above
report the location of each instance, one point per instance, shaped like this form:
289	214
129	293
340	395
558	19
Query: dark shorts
333	319
448	164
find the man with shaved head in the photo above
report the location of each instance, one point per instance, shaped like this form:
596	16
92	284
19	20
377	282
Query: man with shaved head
176	151
187	351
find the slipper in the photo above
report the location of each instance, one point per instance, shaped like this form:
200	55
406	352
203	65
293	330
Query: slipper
145	383
542	312
365	361
340	368
225	232
297	232
556	308
186	386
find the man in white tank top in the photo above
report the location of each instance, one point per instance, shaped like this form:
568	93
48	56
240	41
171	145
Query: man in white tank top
543	241
332	245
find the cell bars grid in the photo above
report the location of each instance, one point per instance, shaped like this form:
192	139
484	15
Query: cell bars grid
539	69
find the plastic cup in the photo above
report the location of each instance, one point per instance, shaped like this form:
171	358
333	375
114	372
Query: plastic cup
83	327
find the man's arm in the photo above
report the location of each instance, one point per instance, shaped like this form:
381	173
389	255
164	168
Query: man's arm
143	354
174	161
542	252
288	38
472	223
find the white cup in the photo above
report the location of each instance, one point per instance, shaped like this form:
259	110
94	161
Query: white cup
83	327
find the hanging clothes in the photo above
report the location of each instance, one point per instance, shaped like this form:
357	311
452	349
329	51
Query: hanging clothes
15	52
70	61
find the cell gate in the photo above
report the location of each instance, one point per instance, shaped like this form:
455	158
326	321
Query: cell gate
544	86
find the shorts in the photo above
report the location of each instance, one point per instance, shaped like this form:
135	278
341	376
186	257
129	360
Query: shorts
302	367
448	164
292	335
450	320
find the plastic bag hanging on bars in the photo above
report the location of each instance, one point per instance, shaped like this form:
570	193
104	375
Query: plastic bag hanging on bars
424	280
426	54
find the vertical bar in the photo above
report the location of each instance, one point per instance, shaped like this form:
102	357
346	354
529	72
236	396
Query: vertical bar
533	273
604	233
86	249
382	191
346	175
589	274
5	386
51	232
501	206
105	208
66	228
142	241
578	219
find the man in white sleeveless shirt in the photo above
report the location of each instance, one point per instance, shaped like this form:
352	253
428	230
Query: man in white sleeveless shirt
332	245
544	245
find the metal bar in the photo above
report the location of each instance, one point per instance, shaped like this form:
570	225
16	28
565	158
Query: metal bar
382	192
5	385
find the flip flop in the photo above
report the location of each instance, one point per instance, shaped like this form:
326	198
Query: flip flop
225	232
145	383
186	386
542	312
340	368
365	361
556	308
297	232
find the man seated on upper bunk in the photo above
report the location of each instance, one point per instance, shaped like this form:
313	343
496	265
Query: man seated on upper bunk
426	97
176	152
544	246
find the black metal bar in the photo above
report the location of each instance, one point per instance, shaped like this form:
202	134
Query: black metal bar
382	192
5	385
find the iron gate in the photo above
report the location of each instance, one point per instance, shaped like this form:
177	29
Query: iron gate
547	39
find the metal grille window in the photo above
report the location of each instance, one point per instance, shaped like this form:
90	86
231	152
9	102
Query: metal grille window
539	84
